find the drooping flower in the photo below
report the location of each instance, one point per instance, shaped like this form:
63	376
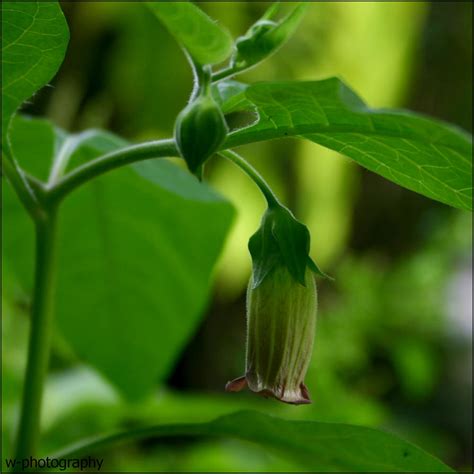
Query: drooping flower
281	323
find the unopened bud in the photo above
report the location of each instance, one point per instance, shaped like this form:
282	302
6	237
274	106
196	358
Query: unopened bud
264	37
200	130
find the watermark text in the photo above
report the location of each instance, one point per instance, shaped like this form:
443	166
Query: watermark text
55	463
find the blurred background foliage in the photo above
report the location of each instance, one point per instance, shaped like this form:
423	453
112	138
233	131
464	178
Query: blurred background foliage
394	338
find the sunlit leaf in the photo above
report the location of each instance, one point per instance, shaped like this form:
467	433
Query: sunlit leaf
203	38
424	155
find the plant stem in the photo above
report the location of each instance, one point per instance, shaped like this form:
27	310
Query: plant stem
21	186
225	73
258	179
110	161
39	337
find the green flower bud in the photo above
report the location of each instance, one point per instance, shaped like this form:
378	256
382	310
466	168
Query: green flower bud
265	37
252	47
281	322
200	130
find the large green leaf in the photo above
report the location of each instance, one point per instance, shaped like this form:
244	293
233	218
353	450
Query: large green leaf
34	40
135	259
316	446
421	154
205	41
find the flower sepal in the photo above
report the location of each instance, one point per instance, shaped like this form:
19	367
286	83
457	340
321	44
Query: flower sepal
281	239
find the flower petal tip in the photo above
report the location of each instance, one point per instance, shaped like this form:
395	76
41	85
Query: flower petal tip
292	398
300	397
236	385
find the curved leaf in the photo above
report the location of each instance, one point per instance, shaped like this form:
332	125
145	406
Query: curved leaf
316	446
424	155
34	40
205	41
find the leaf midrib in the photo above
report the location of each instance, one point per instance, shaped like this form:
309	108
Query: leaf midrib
240	136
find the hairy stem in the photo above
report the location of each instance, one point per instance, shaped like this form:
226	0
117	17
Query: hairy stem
39	337
256	177
110	161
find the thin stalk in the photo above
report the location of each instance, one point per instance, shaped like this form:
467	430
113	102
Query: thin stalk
110	161
39	189
21	186
201	76
224	73
256	177
39	337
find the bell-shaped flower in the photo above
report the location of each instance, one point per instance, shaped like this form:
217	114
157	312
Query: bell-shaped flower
281	324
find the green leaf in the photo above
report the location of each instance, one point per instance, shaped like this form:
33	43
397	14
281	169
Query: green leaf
223	91
265	37
424	155
34	40
206	42
47	141
137	267
172	178
135	260
315	446
84	146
